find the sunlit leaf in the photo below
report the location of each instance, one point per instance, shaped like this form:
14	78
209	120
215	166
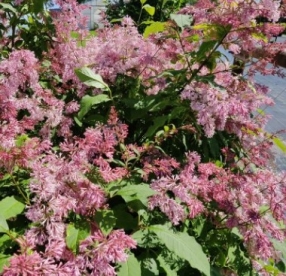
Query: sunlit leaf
105	220
154	28
130	268
136	192
182	20
166	266
3	225
149	9
87	102
89	78
8	7
11	207
72	234
4	261
280	144
183	245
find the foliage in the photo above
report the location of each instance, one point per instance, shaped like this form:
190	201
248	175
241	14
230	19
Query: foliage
138	154
142	11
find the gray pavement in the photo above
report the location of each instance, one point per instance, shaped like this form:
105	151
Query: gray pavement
277	122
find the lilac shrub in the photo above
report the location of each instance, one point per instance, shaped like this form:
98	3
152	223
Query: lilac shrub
129	154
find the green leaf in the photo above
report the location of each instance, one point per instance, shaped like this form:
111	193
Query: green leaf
183	245
215	271
88	101
8	7
130	268
105	220
149	9
3	225
280	144
10	207
136	192
154	28
38	6
4	260
166	266
182	20
72	237
157	123
75	233
280	247
123	218
214	147
140	237
4	239
89	78
78	122
260	36
202	26
143	2
148	264
21	139
237	259
205	48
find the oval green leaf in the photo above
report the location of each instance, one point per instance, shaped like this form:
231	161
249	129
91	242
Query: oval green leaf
3	225
149	9
11	207
183	245
72	237
130	268
89	78
88	101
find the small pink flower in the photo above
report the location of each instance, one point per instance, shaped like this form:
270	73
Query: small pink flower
234	48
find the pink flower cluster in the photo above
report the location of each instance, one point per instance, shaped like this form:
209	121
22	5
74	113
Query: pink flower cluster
60	182
248	201
96	253
61	187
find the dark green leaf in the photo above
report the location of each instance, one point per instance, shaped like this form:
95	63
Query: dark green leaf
205	48
38	6
105	220
215	271
157	123
123	218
